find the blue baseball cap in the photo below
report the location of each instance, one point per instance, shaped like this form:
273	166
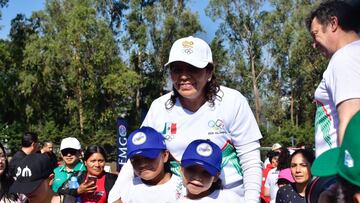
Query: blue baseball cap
146	142
204	153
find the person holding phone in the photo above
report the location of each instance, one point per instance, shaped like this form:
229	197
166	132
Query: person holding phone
95	184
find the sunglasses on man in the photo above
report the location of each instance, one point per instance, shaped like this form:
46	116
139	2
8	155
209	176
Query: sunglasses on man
67	151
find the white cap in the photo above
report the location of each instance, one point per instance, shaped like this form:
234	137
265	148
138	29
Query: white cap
191	50
276	146
70	142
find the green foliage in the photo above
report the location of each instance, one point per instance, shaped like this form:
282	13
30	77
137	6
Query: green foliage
292	78
74	67
151	28
240	23
48	131
69	76
294	73
10	135
303	135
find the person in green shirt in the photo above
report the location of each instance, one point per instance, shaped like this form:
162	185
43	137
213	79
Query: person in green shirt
70	149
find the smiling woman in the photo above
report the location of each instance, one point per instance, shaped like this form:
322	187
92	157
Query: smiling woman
190	83
199	108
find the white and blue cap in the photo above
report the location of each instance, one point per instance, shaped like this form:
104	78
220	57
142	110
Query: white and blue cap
204	153
146	142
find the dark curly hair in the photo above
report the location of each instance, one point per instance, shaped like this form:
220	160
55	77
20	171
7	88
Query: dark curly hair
348	16
212	88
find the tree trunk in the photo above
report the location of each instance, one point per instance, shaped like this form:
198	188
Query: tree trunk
292	108
137	100
79	100
138	91
255	89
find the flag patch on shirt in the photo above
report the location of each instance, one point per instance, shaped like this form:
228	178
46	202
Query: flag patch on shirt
169	130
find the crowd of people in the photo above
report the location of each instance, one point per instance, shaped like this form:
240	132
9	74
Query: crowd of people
200	142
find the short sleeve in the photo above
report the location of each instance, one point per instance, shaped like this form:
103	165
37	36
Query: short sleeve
344	81
244	128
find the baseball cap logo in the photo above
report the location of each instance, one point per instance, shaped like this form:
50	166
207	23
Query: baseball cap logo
26	172
187	44
139	138
348	160
187	47
204	149
18	171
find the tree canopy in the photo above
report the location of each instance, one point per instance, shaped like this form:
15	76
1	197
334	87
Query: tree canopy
72	68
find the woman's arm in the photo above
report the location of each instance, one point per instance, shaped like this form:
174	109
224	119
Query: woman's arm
251	165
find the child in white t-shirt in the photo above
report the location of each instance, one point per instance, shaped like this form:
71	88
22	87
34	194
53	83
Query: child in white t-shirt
153	181
201	167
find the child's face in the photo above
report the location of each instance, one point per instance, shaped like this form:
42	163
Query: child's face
197	181
149	169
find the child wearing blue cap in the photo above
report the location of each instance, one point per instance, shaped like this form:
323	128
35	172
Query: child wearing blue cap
153	181
201	168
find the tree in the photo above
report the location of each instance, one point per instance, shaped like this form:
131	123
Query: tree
240	24
151	28
113	11
3	3
295	69
73	59
221	61
12	113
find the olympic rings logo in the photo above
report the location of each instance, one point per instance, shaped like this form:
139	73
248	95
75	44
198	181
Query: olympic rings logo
188	51
169	137
216	125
